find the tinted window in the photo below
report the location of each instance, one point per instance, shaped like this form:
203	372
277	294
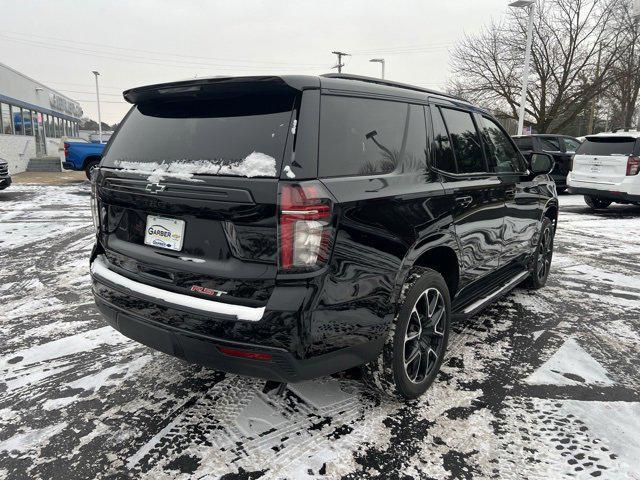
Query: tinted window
571	145
524	143
443	154
366	137
5	115
607	146
218	132
551	144
500	151
466	144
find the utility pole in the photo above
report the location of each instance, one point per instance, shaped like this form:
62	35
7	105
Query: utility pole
340	64
98	99
592	113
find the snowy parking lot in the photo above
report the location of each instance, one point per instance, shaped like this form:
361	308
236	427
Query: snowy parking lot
543	385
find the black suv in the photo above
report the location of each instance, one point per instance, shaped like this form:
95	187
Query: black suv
561	147
296	226
5	178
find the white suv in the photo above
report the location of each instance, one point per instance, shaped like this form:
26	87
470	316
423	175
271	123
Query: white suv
605	169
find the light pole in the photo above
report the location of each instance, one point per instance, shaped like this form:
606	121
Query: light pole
527	58
380	61
98	99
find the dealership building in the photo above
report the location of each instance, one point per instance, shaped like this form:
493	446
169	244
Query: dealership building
33	118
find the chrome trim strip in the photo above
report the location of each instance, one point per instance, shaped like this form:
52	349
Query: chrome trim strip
506	286
249	314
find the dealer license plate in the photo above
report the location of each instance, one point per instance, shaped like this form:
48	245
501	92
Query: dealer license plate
164	232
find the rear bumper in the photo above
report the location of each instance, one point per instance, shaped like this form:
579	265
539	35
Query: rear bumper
68	166
606	194
197	336
5	182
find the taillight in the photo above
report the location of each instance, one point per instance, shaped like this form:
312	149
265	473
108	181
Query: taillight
66	150
633	165
306	226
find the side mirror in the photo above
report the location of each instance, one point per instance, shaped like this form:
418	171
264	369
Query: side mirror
541	163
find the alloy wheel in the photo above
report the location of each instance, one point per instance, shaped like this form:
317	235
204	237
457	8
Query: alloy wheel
544	254
424	335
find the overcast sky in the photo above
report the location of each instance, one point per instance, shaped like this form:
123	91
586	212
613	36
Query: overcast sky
138	42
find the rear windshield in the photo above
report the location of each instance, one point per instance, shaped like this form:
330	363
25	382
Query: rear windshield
607	146
239	136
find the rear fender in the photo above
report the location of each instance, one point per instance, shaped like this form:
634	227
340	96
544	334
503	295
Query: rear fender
423	246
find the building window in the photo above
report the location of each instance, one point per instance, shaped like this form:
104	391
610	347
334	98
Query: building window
5	117
45	121
27	121
17	121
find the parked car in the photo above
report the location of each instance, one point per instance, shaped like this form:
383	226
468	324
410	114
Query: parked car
605	169
95	137
561	147
5	178
82	156
296	226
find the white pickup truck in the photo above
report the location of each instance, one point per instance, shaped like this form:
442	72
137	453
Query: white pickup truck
605	169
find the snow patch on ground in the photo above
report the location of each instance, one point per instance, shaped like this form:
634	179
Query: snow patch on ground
31	438
567	366
616	423
63	347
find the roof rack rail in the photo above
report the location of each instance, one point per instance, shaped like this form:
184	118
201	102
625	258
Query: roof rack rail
389	83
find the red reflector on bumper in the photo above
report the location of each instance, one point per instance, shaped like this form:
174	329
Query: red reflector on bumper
234	352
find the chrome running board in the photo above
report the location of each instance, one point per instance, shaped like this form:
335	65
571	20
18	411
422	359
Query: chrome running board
492	296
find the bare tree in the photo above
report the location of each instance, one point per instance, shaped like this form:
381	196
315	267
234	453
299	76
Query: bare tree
565	76
623	95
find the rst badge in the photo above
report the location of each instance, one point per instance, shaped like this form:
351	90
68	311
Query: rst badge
164	232
207	291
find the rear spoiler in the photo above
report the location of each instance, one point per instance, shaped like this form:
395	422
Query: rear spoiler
221	87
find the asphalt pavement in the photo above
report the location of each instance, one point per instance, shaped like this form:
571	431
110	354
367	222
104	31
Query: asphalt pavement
540	385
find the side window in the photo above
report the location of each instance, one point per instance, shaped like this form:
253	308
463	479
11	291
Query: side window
500	151
524	144
361	136
571	145
466	143
442	152
550	144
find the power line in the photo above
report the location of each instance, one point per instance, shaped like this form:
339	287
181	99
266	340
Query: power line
151	61
83	91
181	55
405	48
142	60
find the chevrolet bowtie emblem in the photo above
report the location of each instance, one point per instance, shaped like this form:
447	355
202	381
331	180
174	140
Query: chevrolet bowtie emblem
155	187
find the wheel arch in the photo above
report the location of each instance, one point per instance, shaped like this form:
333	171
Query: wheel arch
90	158
440	254
551	212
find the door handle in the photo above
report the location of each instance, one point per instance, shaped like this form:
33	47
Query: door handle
464	201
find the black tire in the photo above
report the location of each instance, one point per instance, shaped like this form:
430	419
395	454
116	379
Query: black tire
596	202
388	373
541	263
88	168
